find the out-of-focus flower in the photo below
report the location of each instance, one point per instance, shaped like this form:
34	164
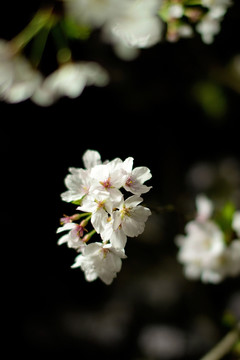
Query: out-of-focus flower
134	27
209	251
93	13
210	24
97	190
18	79
69	80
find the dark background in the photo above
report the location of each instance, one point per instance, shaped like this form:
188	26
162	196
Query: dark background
150	111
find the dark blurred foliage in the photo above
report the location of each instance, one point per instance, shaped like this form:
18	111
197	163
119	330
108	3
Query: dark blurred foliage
152	110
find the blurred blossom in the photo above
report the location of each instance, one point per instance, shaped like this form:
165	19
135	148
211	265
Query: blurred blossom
18	80
162	342
127	25
210	26
210	250
94	13
135	26
69	80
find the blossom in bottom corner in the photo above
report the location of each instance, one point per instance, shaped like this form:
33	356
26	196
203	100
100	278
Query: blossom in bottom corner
100	260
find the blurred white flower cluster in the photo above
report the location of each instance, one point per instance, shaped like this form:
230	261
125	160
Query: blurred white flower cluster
184	18
127	25
99	190
210	250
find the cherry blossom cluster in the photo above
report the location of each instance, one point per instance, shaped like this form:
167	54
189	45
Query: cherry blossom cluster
99	191
127	25
210	249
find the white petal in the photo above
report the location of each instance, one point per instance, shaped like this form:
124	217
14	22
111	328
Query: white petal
91	158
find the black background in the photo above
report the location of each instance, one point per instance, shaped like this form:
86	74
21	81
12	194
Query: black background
148	111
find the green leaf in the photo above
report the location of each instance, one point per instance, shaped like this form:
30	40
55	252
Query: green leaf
224	220
77	202
75	31
211	98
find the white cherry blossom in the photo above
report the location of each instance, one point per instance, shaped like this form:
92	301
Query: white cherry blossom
136	177
80	181
97	188
201	251
74	236
206	251
131	216
99	260
100	205
109	178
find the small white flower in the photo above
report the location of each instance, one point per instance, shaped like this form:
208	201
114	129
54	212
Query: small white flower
116	236
109	178
204	250
74	236
100	205
99	260
131	216
69	80
79	181
201	250
136	177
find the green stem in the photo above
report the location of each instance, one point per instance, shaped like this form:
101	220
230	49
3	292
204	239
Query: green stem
88	236
224	346
38	22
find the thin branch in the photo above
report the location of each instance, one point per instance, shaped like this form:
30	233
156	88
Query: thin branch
224	346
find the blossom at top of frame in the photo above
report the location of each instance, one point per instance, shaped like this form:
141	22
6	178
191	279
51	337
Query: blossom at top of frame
134	27
93	13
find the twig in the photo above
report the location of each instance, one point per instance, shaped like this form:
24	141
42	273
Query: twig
224	346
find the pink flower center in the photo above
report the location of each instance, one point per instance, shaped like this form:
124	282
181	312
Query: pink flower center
107	183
